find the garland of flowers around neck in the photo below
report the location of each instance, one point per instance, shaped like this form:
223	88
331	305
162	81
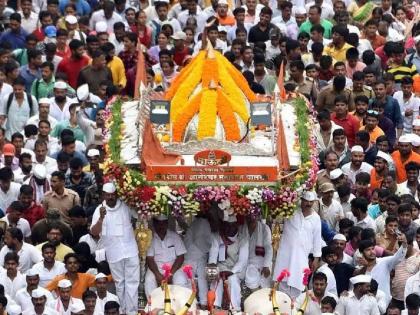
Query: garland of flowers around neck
187	200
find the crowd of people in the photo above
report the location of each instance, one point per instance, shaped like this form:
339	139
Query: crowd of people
68	238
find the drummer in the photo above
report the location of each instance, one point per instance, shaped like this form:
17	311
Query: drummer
166	248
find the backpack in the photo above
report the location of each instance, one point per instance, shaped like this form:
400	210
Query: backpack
10	99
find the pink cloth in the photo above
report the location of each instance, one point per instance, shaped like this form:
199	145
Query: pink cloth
349	250
350	71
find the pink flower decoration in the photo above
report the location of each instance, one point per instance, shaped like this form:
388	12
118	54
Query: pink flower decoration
166	271
306	273
283	274
188	271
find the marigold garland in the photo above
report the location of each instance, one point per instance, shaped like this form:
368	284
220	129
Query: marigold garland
181	122
234	93
227	116
179	80
186	89
237	77
210	73
207	115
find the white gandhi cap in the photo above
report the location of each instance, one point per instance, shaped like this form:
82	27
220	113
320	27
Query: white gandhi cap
32	273
64	284
44	100
100	276
40	171
38	293
309	196
14	309
71	19
416	122
60	85
404	139
339	237
77	306
360	279
334	174
357	148
93	152
109	188
384	156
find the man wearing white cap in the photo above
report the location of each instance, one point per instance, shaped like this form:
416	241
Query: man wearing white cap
62	305
380	169
14	309
39	302
60	103
43	112
112	221
73	27
402	156
301	237
339	243
416	126
104	295
107	14
24	296
260	259
358	301
357	164
166	248
330	209
411	185
230	252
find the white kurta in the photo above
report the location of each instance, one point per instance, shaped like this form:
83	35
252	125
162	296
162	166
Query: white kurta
121	252
28	256
331	283
233	258
350	305
12	286
24	299
259	240
301	237
198	243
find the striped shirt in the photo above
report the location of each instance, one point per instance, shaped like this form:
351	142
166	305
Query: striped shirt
404	70
404	270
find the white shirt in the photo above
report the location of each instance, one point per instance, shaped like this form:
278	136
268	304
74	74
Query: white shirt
197	240
59	307
166	250
351	173
119	46
49	163
100	16
301	236
350	305
60	114
94	245
22	224
327	11
18	114
47	311
313	308
331	283
29	24
413	103
381	271
28	256
18	176
412	285
366	223
12	286
100	304
45	275
261	237
5	89
24	299
332	213
220	45
34	120
52	144
117	234
6	198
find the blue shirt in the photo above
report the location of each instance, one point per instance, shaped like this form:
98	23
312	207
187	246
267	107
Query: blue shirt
374	211
82	7
28	76
16	40
76	154
392	111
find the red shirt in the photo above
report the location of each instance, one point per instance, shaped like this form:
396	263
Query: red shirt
179	56
34	213
39	34
350	124
72	67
